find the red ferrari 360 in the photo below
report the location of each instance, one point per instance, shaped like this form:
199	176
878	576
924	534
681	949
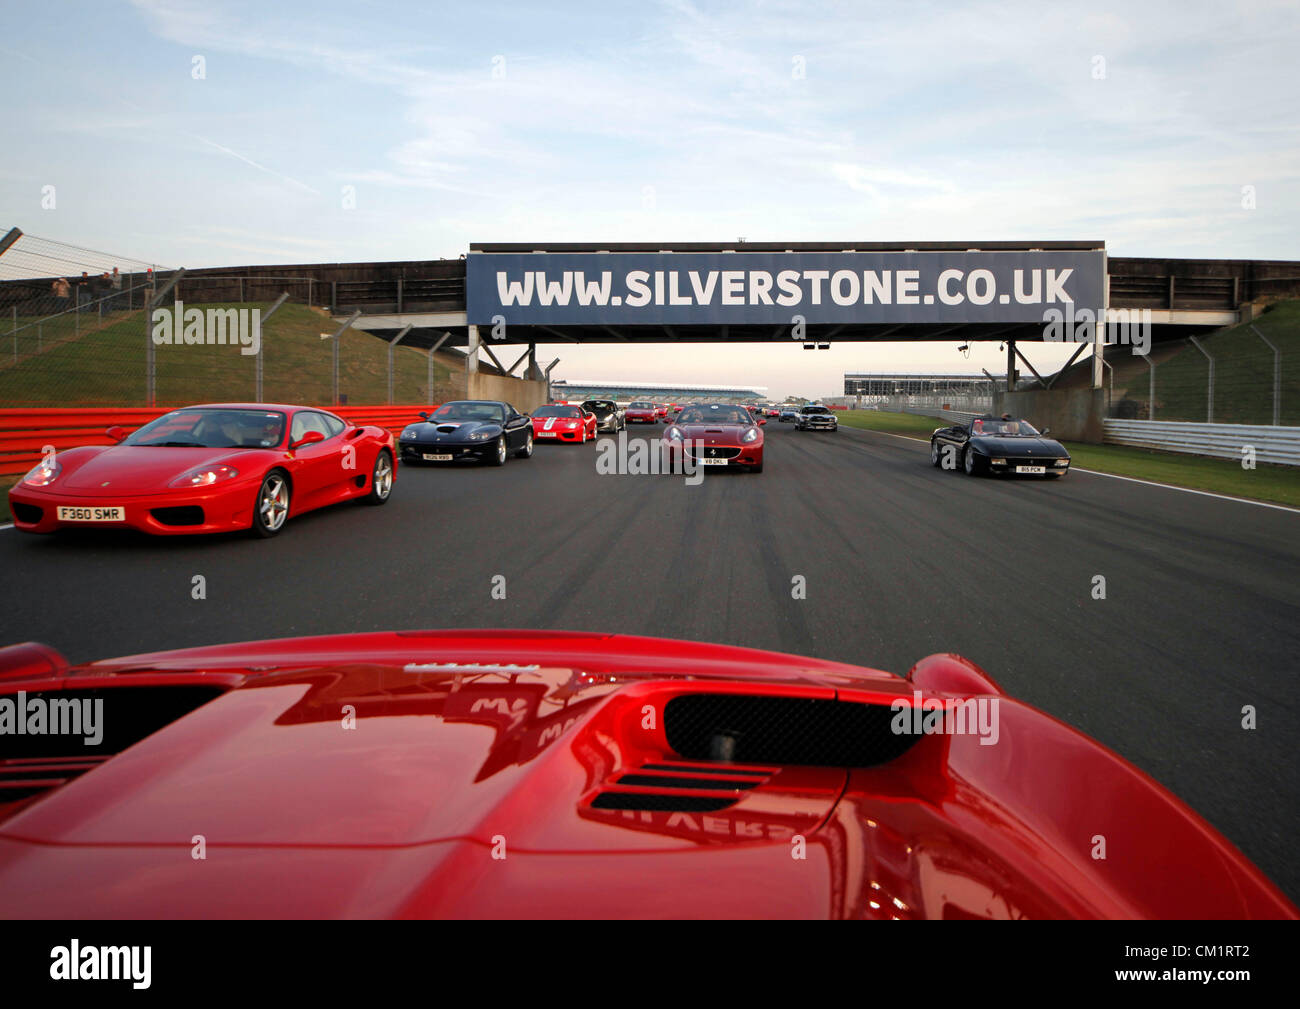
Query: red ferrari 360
209	469
535	774
560	422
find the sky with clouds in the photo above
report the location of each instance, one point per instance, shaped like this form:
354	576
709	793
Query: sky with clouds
1137	124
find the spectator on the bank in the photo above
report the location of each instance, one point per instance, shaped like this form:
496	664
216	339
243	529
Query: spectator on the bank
83	289
62	293
102	285
116	279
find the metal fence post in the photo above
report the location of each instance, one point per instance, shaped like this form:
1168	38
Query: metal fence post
338	336
1209	409
1277	376
1151	391
261	348
393	343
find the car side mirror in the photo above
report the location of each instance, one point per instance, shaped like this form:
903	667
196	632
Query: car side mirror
310	438
424	415
116	432
762	423
1047	430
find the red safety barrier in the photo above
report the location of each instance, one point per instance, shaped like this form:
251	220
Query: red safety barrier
25	432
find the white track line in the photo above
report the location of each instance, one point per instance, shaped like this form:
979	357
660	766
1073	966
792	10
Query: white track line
1116	476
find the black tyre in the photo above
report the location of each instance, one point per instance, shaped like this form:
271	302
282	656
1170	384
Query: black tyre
499	453
271	509
936	456
973	463
527	451
756	469
381	479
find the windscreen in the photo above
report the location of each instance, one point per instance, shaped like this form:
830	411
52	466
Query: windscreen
467	410
215	428
714	415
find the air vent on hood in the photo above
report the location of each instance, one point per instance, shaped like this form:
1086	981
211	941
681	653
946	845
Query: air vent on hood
782	730
679	787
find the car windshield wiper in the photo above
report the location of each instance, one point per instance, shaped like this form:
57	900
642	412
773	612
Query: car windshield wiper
172	444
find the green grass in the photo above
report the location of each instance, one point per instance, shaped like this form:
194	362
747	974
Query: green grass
107	368
1278	484
893	423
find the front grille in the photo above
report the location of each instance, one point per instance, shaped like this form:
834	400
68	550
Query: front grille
28	512
782	730
184	515
715	452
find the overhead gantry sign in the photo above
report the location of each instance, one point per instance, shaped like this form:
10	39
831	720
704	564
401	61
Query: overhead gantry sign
780	289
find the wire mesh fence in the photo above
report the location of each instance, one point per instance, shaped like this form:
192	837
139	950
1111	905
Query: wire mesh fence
89	339
1249	374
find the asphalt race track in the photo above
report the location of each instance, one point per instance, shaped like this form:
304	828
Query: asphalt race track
1201	615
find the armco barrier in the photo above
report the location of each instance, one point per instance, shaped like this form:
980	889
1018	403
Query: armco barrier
1279	445
25	433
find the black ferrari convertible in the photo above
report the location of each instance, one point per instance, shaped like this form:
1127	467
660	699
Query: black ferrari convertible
487	430
1003	444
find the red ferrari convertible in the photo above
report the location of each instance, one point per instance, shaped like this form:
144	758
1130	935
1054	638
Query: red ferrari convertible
209	469
559	422
546	774
715	434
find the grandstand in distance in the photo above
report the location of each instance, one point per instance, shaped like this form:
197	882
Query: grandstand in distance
873	384
675	392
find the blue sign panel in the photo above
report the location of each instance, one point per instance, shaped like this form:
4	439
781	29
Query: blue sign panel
756	288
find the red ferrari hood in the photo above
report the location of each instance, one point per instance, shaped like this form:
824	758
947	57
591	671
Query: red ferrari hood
500	773
136	469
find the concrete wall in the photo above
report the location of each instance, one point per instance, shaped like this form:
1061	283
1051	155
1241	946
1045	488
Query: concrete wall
524	396
1072	414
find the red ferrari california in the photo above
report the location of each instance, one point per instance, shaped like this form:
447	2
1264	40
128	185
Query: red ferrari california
544	774
715	434
560	422
209	469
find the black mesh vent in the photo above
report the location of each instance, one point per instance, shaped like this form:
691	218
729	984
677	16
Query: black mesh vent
659	803
782	730
182	515
27	512
703	784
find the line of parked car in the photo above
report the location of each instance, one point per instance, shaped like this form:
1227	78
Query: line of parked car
230	466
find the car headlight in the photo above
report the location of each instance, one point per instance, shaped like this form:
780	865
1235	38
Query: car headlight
998	462
481	435
205	476
1062	462
44	473
571	424
409	434
673	434
750	435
